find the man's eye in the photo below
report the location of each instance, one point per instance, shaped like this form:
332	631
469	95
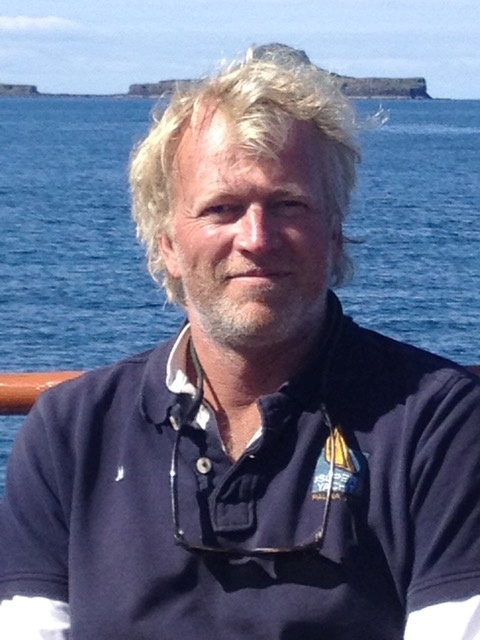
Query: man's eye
288	207
224	209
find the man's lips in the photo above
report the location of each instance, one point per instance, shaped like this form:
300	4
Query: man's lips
269	274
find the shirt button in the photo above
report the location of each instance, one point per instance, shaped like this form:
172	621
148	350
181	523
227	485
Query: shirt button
204	465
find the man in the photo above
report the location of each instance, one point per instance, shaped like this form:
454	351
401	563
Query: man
275	471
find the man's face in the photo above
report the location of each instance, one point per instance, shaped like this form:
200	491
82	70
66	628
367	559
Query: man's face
250	239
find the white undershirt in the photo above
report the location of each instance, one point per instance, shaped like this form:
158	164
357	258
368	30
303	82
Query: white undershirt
34	618
27	618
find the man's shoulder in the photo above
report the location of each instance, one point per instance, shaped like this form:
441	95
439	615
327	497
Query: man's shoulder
372	349
122	383
381	370
132	365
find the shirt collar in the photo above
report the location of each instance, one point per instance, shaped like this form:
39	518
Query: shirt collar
176	375
176	379
168	363
309	385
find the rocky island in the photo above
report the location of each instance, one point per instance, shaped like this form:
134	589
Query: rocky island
387	88
410	88
19	90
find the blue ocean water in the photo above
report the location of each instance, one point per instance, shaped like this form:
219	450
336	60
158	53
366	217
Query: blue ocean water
74	292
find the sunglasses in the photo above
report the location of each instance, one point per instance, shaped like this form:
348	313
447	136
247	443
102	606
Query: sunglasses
313	545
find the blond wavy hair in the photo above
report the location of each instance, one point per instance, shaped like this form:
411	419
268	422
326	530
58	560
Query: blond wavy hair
260	96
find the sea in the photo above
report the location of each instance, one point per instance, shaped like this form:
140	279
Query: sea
74	290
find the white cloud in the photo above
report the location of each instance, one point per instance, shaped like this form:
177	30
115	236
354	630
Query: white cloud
27	24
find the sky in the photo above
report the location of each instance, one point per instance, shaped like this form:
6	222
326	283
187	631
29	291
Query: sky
104	46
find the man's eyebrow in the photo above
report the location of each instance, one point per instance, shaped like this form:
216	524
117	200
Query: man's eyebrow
290	191
219	194
286	189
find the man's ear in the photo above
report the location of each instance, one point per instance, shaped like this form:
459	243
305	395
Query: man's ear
337	251
336	240
169	254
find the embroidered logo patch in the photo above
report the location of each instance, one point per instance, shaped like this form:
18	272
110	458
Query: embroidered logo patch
349	472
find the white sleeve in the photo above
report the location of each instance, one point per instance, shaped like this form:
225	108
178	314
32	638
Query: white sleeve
457	620
33	618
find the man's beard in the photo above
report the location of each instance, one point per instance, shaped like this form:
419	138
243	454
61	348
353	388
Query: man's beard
262	319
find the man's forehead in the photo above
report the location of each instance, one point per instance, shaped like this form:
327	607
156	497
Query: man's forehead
211	131
208	130
210	162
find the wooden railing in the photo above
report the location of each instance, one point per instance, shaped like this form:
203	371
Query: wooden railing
18	391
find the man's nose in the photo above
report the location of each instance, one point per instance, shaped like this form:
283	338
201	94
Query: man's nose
256	231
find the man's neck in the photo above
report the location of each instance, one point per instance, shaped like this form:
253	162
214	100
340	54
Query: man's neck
243	375
236	378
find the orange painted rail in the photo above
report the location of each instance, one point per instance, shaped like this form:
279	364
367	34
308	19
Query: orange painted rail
18	391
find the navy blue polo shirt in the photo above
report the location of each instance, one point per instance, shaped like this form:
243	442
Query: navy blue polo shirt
87	515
